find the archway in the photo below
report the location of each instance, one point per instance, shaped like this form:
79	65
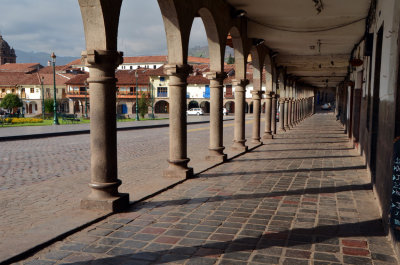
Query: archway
230	106
161	106
205	106
193	104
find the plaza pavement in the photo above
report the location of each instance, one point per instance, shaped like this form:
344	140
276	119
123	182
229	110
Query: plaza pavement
37	177
302	198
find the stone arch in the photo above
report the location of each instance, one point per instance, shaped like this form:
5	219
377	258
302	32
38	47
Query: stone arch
161	106
176	33
193	104
230	106
205	105
269	76
100	22
239	51
216	47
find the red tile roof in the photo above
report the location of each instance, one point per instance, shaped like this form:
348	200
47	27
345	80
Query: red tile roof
20	67
198	79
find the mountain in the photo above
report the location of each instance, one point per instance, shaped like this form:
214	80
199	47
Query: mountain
202	51
41	57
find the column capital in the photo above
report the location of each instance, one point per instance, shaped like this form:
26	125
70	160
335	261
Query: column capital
178	70
241	82
282	100
269	94
91	58
257	94
220	76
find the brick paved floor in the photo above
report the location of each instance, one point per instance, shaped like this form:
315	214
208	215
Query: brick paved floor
303	198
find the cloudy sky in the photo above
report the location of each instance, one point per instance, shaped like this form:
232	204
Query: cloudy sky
56	25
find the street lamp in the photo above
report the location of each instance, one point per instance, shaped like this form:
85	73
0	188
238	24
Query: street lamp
53	59
41	82
137	109
86	84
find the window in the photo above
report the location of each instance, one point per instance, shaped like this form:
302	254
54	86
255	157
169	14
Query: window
162	78
32	90
13	90
162	92
131	67
3	90
154	66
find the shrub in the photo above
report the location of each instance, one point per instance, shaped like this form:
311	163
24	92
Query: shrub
22	120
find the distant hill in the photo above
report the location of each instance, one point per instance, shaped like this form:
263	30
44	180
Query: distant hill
202	51
41	57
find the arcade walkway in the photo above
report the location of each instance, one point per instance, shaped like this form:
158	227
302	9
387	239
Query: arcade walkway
303	198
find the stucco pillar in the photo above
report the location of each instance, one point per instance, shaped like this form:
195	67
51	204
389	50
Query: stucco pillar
286	117
103	134
178	160
296	103
290	114
268	115
273	113
282	114
239	133
216	148
256	94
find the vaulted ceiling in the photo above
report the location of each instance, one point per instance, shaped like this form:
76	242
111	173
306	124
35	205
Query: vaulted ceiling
313	38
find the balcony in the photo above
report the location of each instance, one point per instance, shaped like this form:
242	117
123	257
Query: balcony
229	95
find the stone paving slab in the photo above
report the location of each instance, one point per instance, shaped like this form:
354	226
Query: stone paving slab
303	198
37	175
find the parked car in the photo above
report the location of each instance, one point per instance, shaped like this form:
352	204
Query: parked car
195	111
326	106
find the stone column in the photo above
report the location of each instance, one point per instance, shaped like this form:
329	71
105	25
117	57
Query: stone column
239	133
273	113
178	160
268	115
282	114
103	134
286	117
313	105
216	148
293	119
71	106
290	114
257	94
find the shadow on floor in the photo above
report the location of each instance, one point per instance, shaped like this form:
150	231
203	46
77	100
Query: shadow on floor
233	197
285	238
321	169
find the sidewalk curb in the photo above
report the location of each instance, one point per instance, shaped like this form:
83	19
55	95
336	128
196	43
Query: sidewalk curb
68	133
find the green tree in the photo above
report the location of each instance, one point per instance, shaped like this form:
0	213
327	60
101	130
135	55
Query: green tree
49	105
230	60
143	104
10	102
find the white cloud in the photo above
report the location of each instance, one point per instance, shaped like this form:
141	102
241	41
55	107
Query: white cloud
56	25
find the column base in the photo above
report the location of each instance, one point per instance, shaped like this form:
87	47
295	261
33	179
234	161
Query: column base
217	158
282	129
178	173
256	141
240	146
287	128
268	135
178	169
111	204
